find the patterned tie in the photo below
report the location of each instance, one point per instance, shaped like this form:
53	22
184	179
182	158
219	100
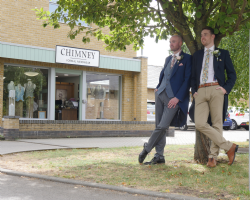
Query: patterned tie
205	70
173	61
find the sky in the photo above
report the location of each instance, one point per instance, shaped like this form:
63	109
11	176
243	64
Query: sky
156	52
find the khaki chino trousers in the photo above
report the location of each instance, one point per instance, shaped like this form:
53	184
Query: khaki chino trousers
209	100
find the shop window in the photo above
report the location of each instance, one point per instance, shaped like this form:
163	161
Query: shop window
25	92
103	97
53	6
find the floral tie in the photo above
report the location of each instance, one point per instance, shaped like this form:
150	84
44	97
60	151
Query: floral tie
205	70
173	61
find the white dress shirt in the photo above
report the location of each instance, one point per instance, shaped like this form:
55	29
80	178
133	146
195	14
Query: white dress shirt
211	78
177	54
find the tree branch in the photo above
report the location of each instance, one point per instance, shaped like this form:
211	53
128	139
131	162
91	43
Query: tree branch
232	4
180	9
240	16
244	21
210	10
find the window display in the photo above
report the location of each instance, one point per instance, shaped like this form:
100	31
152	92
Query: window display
103	97
28	88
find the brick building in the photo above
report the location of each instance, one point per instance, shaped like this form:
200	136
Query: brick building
50	87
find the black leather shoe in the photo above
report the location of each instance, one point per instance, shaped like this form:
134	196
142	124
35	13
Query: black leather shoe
143	154
155	161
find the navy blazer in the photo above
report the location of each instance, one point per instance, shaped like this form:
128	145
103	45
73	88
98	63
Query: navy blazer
222	64
180	84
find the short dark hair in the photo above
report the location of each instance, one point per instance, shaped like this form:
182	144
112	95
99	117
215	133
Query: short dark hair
179	36
208	28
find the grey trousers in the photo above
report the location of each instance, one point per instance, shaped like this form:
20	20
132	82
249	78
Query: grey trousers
163	118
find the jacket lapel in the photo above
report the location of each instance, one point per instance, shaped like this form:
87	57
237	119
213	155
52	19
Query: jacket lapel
167	61
166	64
199	63
215	62
176	65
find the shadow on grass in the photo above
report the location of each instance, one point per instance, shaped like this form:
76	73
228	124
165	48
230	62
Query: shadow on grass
182	177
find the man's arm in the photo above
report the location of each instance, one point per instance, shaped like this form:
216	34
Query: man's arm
231	74
182	92
193	77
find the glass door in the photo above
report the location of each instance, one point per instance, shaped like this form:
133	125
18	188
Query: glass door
68	95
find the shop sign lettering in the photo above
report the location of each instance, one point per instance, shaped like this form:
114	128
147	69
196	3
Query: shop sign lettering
76	56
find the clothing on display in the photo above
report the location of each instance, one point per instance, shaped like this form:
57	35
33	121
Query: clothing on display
29	94
19	92
11	86
99	92
29	87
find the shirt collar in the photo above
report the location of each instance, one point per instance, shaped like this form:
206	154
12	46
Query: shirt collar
211	48
177	54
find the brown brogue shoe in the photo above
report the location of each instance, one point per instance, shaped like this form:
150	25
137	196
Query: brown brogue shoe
211	162
231	153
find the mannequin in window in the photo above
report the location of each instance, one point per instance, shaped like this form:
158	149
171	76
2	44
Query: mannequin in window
19	91
11	99
99	93
11	86
29	95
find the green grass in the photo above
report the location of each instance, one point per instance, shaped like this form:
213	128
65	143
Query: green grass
119	166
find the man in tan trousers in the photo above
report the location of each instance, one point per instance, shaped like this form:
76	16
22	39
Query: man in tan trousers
210	90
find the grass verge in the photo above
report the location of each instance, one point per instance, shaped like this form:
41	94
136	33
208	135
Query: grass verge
119	166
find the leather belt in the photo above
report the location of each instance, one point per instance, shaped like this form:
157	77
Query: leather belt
208	84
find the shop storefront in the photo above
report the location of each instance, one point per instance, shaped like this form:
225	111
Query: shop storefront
52	86
66	98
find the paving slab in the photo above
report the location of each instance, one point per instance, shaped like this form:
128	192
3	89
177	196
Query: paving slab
7	147
181	138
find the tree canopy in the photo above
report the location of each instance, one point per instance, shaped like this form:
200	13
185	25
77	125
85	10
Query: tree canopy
238	47
130	21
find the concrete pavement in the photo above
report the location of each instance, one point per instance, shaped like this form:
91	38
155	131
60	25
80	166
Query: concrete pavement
181	138
39	189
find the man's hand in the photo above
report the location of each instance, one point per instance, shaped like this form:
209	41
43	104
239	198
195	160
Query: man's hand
221	88
195	94
156	90
173	102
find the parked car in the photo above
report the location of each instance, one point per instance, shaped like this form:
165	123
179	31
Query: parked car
227	123
150	110
239	117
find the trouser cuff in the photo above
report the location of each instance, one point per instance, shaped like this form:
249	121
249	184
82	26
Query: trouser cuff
211	156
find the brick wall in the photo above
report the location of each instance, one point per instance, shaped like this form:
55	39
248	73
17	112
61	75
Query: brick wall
61	128
141	99
19	24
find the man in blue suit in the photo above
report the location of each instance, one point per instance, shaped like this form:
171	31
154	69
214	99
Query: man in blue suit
210	90
171	99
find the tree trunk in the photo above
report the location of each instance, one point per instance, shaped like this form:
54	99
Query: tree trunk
202	148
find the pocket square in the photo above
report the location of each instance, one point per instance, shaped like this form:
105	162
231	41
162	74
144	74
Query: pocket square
220	60
180	64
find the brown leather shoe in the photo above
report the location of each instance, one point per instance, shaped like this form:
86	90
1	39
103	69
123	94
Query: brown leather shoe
211	162
231	153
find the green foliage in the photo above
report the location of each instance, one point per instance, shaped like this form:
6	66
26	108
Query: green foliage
130	21
238	47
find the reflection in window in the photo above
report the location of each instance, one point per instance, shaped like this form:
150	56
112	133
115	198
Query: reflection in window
53	6
103	97
25	92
